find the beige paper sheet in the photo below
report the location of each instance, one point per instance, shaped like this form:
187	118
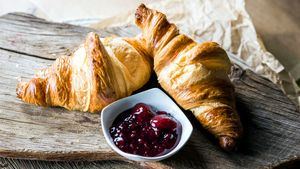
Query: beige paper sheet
223	21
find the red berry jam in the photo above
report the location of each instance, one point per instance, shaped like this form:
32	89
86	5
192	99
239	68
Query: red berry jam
145	132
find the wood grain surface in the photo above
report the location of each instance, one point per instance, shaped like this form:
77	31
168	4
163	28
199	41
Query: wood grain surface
27	43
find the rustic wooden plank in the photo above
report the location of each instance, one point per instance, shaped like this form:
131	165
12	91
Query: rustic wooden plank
17	163
18	30
271	121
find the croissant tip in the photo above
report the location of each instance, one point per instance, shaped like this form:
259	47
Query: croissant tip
142	5
140	13
19	89
92	36
227	143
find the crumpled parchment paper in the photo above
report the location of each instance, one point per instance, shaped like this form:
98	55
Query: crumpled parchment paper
225	22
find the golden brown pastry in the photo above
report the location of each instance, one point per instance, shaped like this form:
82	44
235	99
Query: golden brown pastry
195	75
93	76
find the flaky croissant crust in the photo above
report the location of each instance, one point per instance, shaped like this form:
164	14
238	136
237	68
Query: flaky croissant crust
93	76
195	75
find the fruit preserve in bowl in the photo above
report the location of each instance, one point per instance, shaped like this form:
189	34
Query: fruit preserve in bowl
147	126
144	131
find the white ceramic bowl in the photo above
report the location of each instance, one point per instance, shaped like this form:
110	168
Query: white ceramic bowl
155	98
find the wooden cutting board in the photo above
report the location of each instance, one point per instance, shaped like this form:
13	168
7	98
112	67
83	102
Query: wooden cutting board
27	43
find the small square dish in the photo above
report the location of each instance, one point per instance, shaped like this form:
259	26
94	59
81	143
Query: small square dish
155	98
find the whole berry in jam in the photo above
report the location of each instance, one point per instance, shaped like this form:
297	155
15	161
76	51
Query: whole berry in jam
164	122
142	113
143	132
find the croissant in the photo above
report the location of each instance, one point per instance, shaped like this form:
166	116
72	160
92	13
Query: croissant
195	75
93	76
